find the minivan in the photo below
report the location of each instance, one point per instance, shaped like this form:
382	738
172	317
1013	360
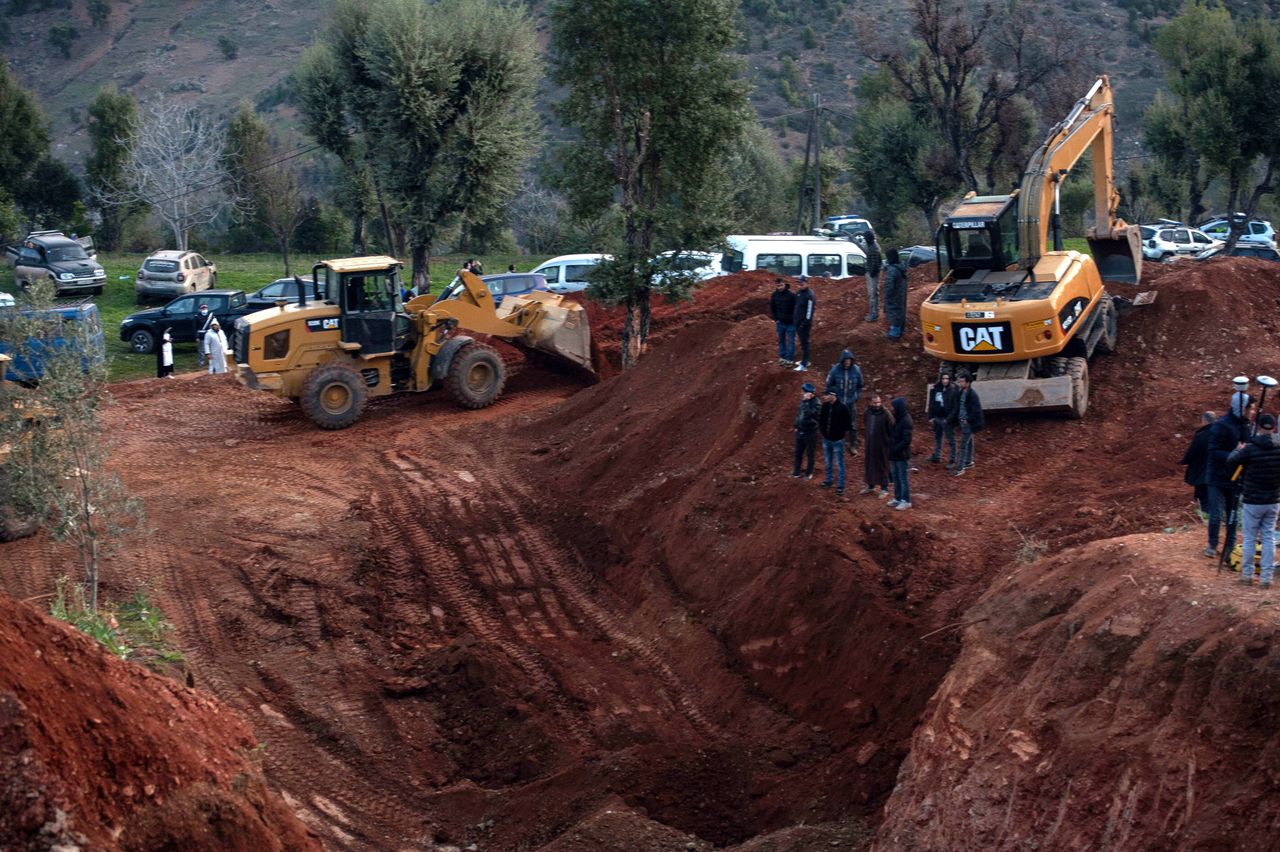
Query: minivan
568	273
816	257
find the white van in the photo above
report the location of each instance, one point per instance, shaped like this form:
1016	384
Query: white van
568	272
791	255
704	264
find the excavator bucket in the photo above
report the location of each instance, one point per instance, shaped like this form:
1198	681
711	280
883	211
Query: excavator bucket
1119	260
552	324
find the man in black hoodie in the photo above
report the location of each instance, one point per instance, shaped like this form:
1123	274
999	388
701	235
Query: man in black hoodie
834	422
1226	434
900	454
805	305
872	248
782	307
806	430
1260	458
942	398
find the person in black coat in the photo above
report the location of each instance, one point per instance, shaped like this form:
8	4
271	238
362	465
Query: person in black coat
942	399
1260	486
834	422
967	417
805	306
806	430
1196	460
1226	434
874	262
895	293
782	307
900	454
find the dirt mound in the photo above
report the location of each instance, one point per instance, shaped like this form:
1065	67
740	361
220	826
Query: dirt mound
1118	696
101	753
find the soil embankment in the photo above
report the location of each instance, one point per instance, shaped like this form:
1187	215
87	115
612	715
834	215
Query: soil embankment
102	754
584	616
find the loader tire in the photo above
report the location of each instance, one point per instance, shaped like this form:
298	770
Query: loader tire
476	376
1107	342
1078	370
333	396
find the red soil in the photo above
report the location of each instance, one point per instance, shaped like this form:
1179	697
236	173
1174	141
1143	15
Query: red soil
583	616
101	753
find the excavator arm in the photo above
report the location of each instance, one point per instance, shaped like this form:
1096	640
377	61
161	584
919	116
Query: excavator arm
1089	127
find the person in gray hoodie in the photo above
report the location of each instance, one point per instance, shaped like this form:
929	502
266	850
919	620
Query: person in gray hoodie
845	381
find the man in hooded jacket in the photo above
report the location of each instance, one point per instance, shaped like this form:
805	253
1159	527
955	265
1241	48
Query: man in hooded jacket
900	454
1260	486
895	294
874	263
1196	460
1227	432
806	431
845	381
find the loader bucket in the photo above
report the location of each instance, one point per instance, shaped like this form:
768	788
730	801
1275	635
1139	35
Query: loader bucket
1119	260
552	324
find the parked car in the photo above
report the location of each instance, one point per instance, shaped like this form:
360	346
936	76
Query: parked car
1257	231
60	259
281	288
568	272
500	285
1169	242
850	223
1240	250
27	364
172	273
142	329
914	256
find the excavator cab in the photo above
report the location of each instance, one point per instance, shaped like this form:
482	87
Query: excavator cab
981	235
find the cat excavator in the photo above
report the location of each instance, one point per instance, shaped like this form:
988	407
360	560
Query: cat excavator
1024	321
358	339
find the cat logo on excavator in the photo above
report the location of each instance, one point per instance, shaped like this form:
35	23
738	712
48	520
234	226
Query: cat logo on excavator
982	338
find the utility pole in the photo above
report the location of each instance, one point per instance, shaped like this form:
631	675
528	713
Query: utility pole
816	124
804	179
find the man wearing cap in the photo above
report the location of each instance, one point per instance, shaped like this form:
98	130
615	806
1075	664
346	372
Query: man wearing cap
805	305
806	430
833	423
1226	434
782	307
215	348
1260	458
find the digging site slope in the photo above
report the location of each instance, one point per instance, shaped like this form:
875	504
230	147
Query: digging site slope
585	617
101	753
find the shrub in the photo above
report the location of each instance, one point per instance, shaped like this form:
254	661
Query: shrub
228	47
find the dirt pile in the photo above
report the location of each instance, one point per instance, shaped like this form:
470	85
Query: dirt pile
101	753
1116	696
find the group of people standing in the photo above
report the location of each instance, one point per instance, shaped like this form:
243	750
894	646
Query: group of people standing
211	345
793	313
1233	463
954	408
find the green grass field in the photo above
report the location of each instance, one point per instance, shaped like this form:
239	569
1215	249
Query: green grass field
248	272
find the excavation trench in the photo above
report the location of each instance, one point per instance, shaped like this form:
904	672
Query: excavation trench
588	615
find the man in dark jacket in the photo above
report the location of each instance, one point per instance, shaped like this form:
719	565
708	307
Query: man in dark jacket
895	294
805	305
875	433
942	398
845	380
1196	460
833	424
1226	434
782	307
967	417
806	430
872	248
900	454
1260	458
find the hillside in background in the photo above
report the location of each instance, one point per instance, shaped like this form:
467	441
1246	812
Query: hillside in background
791	49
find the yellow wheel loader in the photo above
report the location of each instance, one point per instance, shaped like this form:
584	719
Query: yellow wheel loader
357	340
1025	321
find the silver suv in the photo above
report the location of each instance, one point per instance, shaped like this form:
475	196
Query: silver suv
167	274
1164	242
1258	231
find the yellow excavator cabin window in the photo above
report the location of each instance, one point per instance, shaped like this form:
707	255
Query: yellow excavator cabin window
276	345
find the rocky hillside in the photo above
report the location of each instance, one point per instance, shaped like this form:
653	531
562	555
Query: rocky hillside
223	51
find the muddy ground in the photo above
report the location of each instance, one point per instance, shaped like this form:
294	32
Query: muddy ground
607	617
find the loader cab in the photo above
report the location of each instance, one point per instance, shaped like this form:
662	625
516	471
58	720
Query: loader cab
982	234
367	292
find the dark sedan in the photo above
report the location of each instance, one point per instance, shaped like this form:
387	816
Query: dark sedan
285	289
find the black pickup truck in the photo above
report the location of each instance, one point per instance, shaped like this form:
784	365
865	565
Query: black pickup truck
142	330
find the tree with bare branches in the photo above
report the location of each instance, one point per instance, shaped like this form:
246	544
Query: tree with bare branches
176	168
981	74
267	182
